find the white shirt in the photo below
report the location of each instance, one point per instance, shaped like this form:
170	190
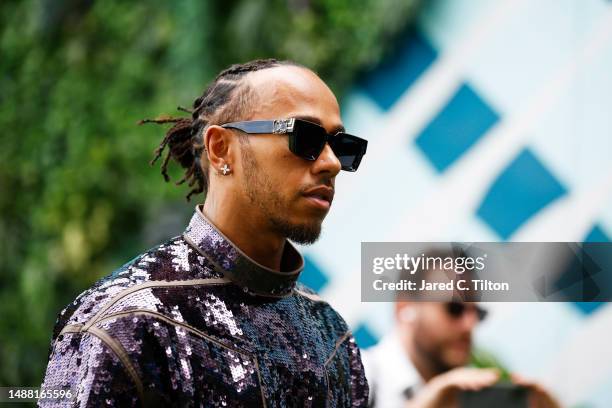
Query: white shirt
390	373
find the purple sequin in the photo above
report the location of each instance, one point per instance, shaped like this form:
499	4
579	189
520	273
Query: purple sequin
195	322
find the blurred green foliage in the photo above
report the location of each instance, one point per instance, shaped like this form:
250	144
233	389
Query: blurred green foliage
76	190
480	358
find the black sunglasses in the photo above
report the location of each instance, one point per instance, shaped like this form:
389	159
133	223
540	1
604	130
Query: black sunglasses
307	140
457	309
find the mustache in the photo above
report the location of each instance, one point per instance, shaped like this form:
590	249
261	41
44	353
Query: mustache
464	337
323	182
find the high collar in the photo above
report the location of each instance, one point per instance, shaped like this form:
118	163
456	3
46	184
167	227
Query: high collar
239	267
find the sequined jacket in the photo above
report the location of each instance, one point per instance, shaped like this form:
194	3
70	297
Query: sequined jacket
196	322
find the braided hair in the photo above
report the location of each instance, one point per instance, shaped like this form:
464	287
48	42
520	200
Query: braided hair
226	99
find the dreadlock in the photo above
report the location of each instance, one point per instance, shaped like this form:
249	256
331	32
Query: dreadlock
226	99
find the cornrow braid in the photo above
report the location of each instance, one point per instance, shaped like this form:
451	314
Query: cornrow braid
226	99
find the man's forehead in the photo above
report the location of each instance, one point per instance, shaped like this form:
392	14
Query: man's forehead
296	91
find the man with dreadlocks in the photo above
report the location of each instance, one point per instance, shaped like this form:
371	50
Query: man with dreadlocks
215	317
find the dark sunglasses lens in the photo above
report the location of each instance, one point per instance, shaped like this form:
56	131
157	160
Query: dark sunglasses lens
482	313
307	140
455	309
349	150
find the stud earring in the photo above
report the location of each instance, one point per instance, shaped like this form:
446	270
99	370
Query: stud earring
225	169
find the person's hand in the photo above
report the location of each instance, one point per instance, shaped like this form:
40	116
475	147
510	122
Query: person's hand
539	397
441	391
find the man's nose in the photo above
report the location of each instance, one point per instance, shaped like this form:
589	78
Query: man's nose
470	319
327	162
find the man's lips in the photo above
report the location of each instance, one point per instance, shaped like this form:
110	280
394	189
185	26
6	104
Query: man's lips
462	344
322	196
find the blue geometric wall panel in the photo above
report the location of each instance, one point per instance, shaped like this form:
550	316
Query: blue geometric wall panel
597	234
523	189
588	308
464	120
397	73
312	276
364	336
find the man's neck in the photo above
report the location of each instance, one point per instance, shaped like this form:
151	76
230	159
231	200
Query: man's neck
252	238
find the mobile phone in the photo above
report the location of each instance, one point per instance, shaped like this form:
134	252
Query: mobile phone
502	395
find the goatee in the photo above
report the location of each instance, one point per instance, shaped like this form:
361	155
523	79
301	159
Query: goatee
304	234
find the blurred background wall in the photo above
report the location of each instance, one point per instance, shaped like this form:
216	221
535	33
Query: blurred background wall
488	120
491	122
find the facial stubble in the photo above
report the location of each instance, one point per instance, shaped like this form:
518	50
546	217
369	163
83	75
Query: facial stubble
261	193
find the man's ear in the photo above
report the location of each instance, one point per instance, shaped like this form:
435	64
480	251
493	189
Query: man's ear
217	143
405	312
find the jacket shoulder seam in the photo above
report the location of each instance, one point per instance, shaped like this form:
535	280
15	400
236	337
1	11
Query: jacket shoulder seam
339	343
147	285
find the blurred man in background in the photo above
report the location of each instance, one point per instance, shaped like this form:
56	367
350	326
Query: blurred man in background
423	362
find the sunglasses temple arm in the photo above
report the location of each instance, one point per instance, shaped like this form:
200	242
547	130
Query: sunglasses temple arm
253	127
